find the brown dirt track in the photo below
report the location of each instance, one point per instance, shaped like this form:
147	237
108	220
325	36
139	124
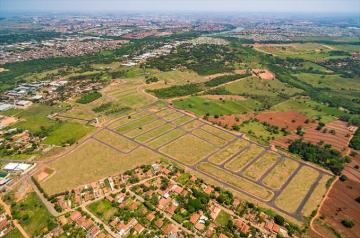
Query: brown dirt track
289	120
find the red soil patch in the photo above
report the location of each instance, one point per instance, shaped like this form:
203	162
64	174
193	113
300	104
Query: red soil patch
263	74
341	203
287	120
230	120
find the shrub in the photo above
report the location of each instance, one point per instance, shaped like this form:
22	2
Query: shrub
347	223
89	97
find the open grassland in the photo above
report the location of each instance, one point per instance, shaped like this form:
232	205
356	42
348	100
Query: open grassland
244	157
154	133
182	149
334	81
291	197
35	119
316	196
115	140
218	132
309	108
161	140
102	209
143	129
259	132
165	112
128	119
182	120
192	125
92	161
178	77
137	123
257	169
202	106
236	181
278	175
173	116
33	216
307	51
216	141
230	150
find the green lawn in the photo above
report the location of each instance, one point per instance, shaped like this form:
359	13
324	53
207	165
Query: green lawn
335	82
222	219
102	209
202	106
33	216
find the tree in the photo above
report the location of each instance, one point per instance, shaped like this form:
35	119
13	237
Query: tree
347	223
279	220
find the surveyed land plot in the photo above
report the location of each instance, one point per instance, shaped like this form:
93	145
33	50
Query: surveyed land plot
280	174
173	116
128	119
154	133
217	141
192	125
182	120
236	181
244	158
165	112
143	129
183	150
291	197
137	123
161	140
228	151
220	133
119	142
261	166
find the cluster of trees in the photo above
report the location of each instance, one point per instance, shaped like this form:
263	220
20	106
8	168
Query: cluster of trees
355	141
89	97
109	108
322	155
225	79
27	35
152	79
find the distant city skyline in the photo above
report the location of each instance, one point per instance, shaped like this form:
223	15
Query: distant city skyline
91	6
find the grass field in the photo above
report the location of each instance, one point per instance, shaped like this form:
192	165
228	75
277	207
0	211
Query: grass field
222	219
15	233
309	108
335	82
90	162
244	157
278	175
33	216
166	138
192	125
236	181
218	132
315	197
137	123
182	120
226	153
145	128
102	209
294	193
179	77
216	141
183	149
258	132
173	116
154	133
115	140
128	119
202	106
257	169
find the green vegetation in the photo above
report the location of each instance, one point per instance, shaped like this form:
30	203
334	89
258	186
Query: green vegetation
347	223
202	106
89	97
324	156
178	90
102	209
355	141
15	233
32	215
222	219
110	108
225	79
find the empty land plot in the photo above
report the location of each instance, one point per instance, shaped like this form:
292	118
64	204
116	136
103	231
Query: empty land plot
278	175
244	157
183	150
137	123
166	138
125	120
316	196
165	112
263	164
291	197
90	162
154	133
192	125
142	129
173	116
220	133
236	181
217	141
115	140
228	151
182	120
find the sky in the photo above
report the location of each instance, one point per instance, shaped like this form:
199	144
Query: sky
90	6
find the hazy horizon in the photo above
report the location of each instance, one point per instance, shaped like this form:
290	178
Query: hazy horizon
111	6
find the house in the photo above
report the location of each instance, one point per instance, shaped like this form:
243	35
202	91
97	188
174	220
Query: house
151	216
169	229
194	218
222	236
139	228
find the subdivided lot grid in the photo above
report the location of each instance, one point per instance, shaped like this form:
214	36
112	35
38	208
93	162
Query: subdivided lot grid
230	159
